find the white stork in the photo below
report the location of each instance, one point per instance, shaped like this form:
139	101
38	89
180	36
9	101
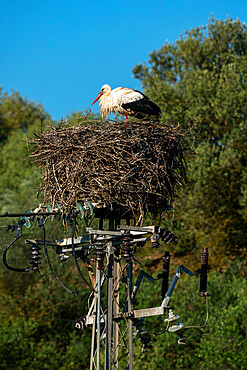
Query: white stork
126	101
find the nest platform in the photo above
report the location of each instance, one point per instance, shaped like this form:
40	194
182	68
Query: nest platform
136	167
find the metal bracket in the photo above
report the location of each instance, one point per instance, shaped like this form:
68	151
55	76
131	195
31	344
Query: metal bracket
141	275
174	282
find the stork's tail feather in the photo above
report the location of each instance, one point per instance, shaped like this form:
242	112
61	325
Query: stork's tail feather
143	107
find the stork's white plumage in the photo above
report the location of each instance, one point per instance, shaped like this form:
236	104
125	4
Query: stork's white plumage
126	101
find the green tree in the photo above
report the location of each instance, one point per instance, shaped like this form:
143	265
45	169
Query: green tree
201	81
201	78
16	113
211	210
221	344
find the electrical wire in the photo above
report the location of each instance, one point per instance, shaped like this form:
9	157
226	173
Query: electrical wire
213	313
68	320
38	317
75	259
19	235
217	336
191	326
205	323
41	225
163	331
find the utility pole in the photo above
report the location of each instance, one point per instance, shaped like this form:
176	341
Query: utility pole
116	307
114	255
129	290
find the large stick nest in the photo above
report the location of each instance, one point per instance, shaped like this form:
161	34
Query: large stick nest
135	166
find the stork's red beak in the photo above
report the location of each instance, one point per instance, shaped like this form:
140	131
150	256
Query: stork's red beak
100	94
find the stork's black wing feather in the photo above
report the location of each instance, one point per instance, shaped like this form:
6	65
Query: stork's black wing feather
143	106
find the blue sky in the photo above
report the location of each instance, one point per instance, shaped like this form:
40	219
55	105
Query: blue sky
59	53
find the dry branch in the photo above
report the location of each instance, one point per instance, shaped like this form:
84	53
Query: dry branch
136	166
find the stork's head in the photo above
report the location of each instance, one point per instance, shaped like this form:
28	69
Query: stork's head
105	89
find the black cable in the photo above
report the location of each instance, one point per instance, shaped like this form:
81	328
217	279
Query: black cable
57	319
207	315
74	254
161	332
19	235
41	225
217	336
33	316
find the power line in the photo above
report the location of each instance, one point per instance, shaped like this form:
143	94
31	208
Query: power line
218	336
68	320
38	317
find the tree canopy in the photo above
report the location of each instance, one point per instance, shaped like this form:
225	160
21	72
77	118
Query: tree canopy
201	79
17	113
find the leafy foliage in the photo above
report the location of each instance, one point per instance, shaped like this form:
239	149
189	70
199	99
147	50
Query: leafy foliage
221	342
37	343
17	113
211	210
199	81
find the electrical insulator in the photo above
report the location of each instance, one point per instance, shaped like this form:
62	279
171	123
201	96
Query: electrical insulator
204	268
34	256
154	241
171	316
176	327
181	340
165	274
99	252
63	257
126	248
167	237
81	323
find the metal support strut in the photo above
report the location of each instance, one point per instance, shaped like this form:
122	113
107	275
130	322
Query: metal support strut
204	268
98	282
165	274
127	252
